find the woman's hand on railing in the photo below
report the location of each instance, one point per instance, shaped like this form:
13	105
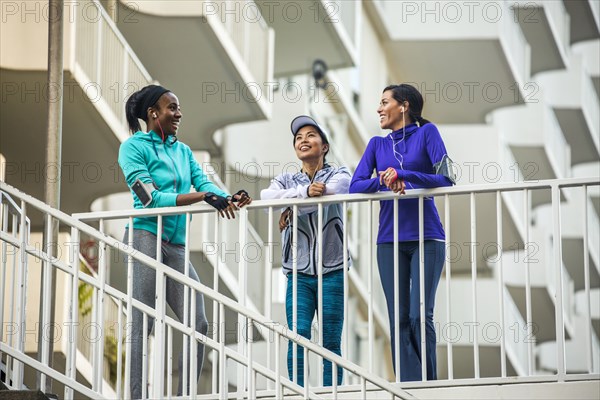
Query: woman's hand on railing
398	186
285	219
316	189
388	177
242	198
225	207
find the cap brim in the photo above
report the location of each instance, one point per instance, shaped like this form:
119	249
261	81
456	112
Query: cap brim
303	120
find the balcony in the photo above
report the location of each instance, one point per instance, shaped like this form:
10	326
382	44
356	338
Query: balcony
217	57
545	25
574	100
536	141
467	58
585	17
310	30
93	102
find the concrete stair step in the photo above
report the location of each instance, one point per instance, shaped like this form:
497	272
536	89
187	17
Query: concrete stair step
23	395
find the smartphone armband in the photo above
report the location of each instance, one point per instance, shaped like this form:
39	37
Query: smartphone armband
143	191
446	168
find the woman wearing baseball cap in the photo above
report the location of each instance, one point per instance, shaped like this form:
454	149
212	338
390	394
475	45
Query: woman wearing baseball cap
317	178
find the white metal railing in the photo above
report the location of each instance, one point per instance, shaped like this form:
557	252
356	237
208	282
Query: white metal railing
344	12
561	292
559	150
516	47
13	219
108	319
559	21
591	107
251	36
166	328
595	7
94	40
248	359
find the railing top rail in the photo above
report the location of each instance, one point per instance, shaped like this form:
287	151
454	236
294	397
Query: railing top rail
414	193
6	199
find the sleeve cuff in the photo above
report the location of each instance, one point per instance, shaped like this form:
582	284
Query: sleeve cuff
304	191
165	199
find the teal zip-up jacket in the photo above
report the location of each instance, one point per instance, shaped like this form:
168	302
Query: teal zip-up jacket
172	169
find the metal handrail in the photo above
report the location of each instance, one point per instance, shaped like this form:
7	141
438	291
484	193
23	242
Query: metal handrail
350	198
224	301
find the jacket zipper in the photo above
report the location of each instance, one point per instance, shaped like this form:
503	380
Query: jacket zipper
314	244
174	189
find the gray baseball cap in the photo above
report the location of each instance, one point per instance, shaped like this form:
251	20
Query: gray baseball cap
303	120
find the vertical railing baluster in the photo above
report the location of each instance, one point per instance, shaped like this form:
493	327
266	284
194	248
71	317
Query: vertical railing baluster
474	284
269	284
120	350
21	296
216	314
529	323
102	265
500	266
422	291
557	244
448	285
187	341
145	356
129	321
586	272
278	391
169	361
250	377
193	381
47	284
3	284
223	381
295	291
71	370
371	304
320	360
243	285
305	372
159	320
346	286
396	343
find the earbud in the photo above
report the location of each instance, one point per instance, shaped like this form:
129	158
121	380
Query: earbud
154	115
402	109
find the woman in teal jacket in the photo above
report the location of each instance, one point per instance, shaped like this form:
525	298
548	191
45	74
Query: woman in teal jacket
160	170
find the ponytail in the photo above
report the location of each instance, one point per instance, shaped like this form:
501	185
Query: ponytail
420	120
131	112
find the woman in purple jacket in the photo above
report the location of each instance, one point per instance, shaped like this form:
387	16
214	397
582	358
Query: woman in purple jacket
412	156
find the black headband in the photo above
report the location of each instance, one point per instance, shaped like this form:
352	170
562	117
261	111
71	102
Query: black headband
152	95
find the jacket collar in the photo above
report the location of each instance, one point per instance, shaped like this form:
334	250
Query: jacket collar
405	132
303	173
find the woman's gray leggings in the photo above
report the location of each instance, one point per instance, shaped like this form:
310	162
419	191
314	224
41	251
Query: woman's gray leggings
144	290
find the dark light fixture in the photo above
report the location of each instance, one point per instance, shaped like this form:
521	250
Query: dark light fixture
319	72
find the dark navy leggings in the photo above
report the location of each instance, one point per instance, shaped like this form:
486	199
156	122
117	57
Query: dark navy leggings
409	293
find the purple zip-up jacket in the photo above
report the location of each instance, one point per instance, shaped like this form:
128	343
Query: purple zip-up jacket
417	149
